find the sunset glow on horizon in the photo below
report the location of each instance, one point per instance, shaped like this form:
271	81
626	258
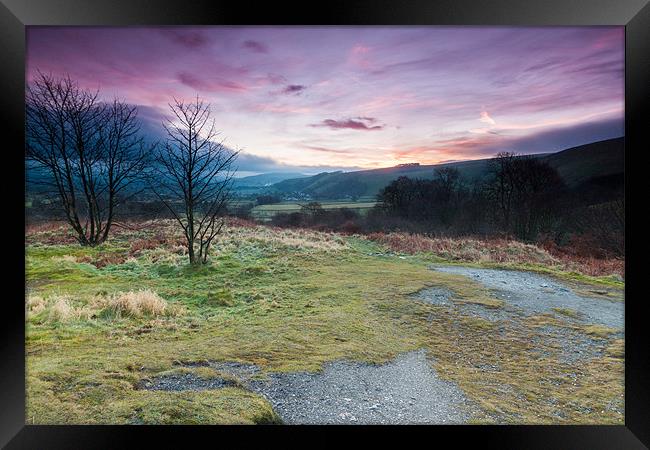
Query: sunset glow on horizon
328	98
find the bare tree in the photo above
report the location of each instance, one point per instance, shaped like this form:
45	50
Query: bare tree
446	191
526	192
194	175
502	189
89	150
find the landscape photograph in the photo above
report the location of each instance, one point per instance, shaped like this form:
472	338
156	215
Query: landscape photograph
325	225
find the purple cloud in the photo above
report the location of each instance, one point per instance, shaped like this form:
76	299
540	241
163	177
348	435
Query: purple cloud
188	39
358	123
209	84
294	89
255	46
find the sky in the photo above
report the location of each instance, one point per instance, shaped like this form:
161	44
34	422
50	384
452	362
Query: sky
313	99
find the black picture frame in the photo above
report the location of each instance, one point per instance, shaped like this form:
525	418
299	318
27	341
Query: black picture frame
16	14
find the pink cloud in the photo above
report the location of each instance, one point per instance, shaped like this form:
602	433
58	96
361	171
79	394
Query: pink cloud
485	118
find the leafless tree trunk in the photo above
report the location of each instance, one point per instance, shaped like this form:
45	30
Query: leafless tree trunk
503	188
90	150
193	177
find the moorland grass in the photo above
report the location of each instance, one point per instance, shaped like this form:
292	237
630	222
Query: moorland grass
286	300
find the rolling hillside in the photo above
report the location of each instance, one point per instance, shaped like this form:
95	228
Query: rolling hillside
575	165
598	159
265	179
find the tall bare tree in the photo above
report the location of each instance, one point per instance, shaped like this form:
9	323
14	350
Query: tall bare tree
502	189
525	191
91	152
193	177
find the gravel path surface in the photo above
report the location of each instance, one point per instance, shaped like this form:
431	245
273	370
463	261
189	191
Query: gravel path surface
435	296
535	294
573	346
183	382
403	391
406	390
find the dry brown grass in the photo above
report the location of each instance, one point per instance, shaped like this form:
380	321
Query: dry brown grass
102	260
35	304
137	304
275	237
62	310
50	233
501	251
153	235
466	249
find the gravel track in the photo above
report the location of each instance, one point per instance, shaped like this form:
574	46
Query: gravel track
406	390
183	382
532	294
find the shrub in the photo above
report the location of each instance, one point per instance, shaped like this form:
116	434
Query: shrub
350	227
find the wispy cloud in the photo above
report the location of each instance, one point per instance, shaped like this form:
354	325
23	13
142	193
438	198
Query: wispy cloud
329	150
209	84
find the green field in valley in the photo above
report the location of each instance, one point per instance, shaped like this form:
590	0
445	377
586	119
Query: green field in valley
266	212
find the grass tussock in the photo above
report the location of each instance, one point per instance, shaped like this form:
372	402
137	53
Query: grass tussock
138	304
63	310
599	331
35	304
572	313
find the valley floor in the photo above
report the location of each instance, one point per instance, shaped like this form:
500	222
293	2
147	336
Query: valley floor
295	326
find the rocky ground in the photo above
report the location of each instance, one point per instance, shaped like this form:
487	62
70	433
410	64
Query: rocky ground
531	293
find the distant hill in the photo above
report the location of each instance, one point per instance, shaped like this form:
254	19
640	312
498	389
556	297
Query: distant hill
598	159
266	179
369	182
575	165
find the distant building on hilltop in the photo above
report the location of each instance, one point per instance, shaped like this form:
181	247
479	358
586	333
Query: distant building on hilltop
408	165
